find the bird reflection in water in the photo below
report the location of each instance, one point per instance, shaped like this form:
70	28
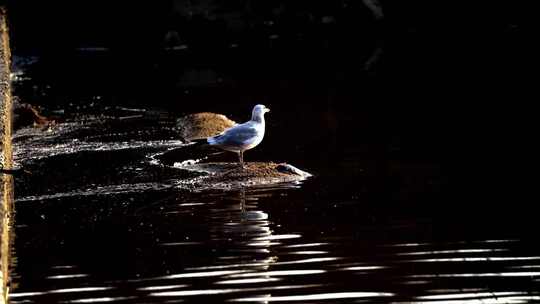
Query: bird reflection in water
241	227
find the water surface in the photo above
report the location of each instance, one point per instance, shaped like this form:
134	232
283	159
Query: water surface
103	219
410	201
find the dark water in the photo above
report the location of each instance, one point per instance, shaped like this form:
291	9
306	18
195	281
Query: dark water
102	219
411	201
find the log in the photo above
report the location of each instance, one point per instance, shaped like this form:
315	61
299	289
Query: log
6	188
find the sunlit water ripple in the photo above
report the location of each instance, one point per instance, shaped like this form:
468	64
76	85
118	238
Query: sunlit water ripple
124	233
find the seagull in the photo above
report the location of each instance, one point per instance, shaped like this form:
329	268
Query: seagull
242	137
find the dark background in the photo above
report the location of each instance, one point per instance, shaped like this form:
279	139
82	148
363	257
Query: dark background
439	80
418	126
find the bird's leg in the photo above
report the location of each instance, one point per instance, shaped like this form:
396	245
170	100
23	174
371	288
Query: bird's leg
241	155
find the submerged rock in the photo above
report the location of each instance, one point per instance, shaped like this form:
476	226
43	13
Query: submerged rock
202	125
231	175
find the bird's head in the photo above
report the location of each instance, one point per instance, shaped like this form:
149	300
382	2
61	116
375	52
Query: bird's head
260	109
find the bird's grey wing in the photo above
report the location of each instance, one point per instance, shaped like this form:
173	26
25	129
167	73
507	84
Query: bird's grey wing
237	136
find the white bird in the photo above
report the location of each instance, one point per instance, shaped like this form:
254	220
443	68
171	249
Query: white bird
244	136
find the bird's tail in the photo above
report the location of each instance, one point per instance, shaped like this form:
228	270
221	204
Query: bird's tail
202	141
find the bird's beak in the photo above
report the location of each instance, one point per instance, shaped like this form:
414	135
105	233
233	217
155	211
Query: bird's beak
266	110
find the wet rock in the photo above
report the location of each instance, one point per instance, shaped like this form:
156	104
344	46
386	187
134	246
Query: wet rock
232	176
202	125
290	169
27	115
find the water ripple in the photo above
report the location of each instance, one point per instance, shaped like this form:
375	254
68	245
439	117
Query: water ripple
315	297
